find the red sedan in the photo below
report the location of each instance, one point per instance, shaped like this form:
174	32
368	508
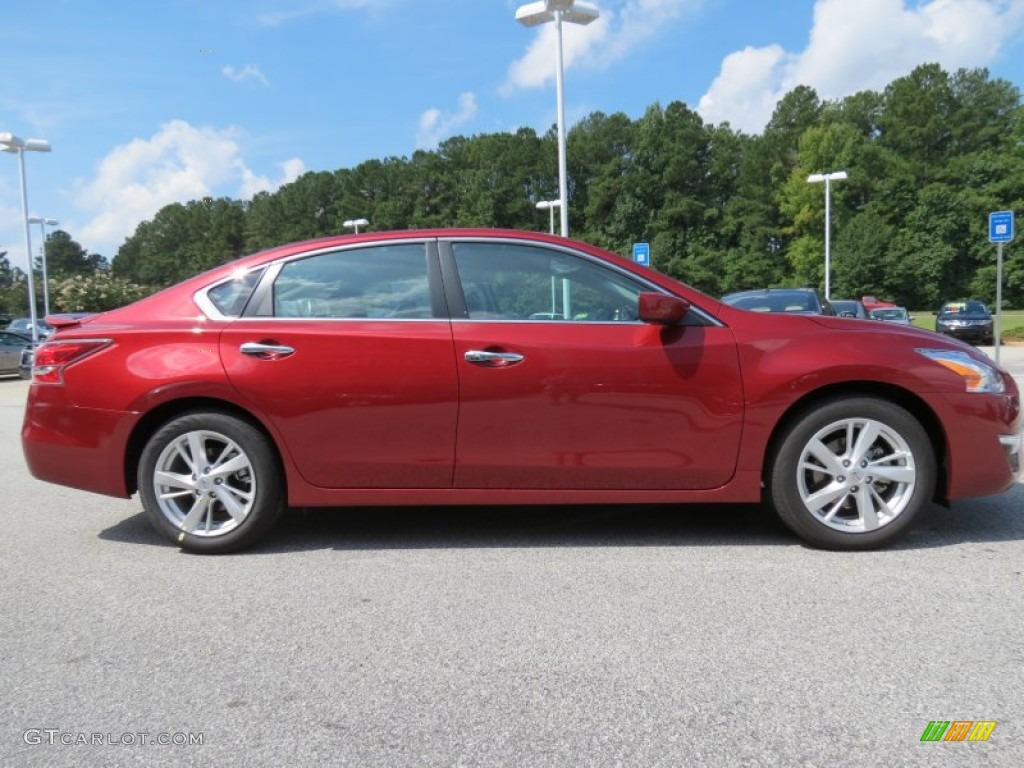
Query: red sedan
503	367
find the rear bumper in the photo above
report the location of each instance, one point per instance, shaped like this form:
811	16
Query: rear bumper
79	447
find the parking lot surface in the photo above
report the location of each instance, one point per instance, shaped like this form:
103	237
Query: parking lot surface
637	636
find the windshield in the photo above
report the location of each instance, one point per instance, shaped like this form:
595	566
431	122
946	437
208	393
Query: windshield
889	314
963	308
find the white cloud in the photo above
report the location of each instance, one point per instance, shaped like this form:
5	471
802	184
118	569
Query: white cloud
177	164
611	37
251	183
435	125
536	67
746	89
248	72
858	46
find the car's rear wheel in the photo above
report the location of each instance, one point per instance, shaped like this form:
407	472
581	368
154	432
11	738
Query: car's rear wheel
852	473
210	482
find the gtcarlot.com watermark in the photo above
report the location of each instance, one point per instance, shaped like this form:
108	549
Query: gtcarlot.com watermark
56	736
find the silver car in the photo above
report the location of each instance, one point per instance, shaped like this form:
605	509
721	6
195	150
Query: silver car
11	347
892	315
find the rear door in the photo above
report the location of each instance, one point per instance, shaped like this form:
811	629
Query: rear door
349	353
562	386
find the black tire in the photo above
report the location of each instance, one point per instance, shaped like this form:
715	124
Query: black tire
226	504
843	494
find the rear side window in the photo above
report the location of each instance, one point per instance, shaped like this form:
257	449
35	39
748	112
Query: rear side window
231	297
387	281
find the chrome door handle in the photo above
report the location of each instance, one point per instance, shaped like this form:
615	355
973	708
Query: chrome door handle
493	359
266	351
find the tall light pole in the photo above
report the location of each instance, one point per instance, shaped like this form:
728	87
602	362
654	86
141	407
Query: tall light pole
11	143
828	178
541	12
549	206
355	224
43	223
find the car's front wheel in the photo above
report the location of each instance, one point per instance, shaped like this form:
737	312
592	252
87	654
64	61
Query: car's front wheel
210	482
852	473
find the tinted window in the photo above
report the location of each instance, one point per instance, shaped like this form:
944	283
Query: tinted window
889	314
521	282
964	307
230	297
776	301
385	281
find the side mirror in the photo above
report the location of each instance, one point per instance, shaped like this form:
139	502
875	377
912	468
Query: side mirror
847	314
662	309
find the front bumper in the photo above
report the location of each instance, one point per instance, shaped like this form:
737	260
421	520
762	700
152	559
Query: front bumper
1013	445
970	333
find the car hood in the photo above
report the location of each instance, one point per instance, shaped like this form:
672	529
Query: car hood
875	326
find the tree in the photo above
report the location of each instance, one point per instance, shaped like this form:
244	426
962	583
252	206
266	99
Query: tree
64	256
97	292
181	241
927	159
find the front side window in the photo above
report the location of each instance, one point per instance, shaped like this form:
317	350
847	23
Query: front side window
521	282
387	281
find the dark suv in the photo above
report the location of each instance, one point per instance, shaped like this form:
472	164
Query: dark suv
796	301
967	319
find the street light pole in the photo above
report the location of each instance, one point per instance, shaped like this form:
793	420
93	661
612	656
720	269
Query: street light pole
42	231
828	178
11	143
575	12
549	206
355	224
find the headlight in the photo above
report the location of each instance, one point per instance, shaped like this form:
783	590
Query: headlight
977	375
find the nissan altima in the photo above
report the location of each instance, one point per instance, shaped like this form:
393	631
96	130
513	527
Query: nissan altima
487	367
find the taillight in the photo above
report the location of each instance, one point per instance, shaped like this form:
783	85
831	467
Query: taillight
53	357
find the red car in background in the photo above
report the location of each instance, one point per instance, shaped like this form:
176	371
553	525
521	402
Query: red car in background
503	367
870	302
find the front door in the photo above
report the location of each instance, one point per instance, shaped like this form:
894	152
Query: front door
562	387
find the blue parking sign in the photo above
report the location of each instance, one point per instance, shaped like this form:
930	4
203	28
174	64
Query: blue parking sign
1000	227
642	254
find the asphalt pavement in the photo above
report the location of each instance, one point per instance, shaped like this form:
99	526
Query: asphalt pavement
619	636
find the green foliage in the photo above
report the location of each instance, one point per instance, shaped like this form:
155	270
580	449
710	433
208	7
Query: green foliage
182	240
64	256
928	158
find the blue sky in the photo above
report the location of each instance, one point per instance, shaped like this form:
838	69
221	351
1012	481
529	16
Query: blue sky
148	103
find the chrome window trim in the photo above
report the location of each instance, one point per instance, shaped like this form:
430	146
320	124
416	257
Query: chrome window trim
272	269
